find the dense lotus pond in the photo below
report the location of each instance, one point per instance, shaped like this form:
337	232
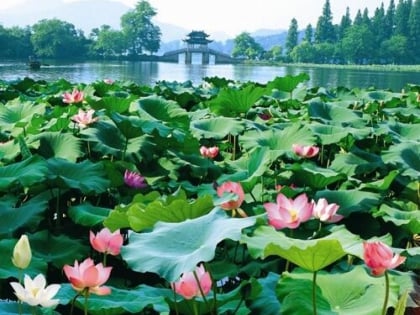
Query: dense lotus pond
218	198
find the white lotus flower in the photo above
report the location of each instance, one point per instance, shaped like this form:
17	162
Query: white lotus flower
35	293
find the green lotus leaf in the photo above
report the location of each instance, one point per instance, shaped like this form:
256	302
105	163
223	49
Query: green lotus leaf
9	151
405	156
28	213
409	220
233	102
379	95
49	247
217	128
120	301
335	114
287	83
57	144
267	302
18	114
352	200
26	173
87	176
158	109
88	215
328	134
280	141
312	255
8	270
381	184
174	248
356	162
361	290
129	126
402	132
143	217
309	174
113	104
13	308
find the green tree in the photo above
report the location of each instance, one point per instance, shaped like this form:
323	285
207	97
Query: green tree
358	44
108	42
275	53
304	52
292	36
244	45
378	25
414	31
54	38
390	20
325	31
324	52
402	14
394	50
19	42
309	34
358	19
344	24
141	34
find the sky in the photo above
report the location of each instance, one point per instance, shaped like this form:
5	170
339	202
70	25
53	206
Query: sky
235	16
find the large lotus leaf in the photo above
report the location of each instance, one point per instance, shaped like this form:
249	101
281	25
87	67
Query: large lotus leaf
248	169
58	250
89	177
29	212
156	108
409	220
312	255
113	104
26	173
88	215
353	292
233	102
57	144
129	126
328	134
174	248
8	270
379	95
331	113
120	301
287	83
309	174
143	217
9	151
356	162
406	156
381	184
217	128
18	114
12	308
278	140
401	132
107	139
267	302
352	200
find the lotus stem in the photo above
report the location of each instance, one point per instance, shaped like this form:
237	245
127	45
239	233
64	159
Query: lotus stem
314	293
384	307
200	288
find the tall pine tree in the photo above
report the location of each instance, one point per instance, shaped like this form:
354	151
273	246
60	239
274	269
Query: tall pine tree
292	36
414	31
325	31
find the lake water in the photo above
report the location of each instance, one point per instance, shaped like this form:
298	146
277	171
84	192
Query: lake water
148	73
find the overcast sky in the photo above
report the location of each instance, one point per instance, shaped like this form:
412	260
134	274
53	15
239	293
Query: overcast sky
235	16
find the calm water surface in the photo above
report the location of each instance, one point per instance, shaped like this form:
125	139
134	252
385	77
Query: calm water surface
149	73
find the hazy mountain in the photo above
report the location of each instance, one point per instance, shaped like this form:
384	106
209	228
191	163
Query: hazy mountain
89	14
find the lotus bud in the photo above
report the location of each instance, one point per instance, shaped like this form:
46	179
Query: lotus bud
22	254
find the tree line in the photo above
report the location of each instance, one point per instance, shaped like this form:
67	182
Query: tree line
54	38
390	35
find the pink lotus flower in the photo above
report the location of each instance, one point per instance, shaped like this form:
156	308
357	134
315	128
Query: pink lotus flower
188	287
108	81
326	212
306	151
83	119
134	180
379	257
88	277
210	153
232	187
75	96
106	242
288	213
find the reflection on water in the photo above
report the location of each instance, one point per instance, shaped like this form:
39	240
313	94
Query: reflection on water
148	73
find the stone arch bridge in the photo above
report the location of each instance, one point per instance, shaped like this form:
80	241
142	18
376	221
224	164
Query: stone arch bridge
202	55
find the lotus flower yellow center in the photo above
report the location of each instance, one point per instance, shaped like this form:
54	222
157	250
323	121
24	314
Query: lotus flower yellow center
293	215
34	291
